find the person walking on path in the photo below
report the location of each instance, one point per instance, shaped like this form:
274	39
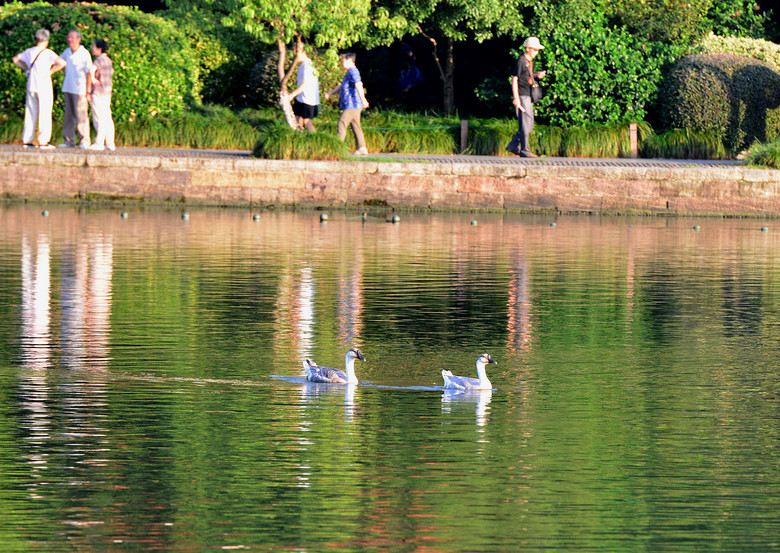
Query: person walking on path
74	92
522	82
352	100
99	85
307	94
40	63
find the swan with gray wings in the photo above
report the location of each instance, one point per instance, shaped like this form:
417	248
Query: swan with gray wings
316	373
452	382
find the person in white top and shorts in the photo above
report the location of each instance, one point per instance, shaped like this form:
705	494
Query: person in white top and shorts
307	95
40	63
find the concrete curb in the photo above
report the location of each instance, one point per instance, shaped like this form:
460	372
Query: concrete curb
398	181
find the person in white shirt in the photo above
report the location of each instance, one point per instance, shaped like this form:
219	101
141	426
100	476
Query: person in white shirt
40	63
307	95
74	91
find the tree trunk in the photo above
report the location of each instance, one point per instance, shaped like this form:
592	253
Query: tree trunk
446	71
284	78
449	77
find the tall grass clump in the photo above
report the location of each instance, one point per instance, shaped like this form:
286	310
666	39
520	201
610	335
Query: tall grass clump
199	128
390	131
683	144
394	132
279	141
764	155
490	137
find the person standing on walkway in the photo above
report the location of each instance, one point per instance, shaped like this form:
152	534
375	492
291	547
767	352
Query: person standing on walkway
352	100
307	94
522	82
40	64
74	92
99	85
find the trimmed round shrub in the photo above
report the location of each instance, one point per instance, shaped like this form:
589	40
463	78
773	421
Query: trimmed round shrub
153	69
735	97
755	48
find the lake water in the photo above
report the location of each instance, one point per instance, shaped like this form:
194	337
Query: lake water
151	396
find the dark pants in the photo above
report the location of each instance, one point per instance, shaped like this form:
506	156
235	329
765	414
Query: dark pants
525	124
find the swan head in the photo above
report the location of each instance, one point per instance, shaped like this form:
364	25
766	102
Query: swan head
485	358
353	354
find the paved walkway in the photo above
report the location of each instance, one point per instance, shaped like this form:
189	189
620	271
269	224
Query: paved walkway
421	158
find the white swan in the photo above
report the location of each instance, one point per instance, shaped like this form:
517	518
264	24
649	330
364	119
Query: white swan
452	382
315	373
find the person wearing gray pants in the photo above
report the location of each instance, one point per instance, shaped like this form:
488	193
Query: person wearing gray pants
522	82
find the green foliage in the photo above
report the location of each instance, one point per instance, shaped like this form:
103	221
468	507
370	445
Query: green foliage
598	75
666	21
737	98
327	23
743	18
279	141
683	144
153	69
225	55
764	155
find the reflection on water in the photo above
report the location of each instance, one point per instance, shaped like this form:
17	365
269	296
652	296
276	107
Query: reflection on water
457	398
635	398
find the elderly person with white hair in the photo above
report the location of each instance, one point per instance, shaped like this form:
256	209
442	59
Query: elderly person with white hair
74	92
523	82
40	63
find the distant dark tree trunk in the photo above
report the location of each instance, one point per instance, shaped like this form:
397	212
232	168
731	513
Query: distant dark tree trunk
446	68
449	76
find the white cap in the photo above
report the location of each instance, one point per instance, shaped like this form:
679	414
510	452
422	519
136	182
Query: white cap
532	42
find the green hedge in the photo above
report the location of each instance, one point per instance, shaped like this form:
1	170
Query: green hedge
599	75
225	55
153	69
734	97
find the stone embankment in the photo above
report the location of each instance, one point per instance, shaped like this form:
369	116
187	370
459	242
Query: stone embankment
397	181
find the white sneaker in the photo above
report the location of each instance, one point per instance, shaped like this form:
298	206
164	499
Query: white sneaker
65	145
45	147
84	145
360	152
97	147
111	148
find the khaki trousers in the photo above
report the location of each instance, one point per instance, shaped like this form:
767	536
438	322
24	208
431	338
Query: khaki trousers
76	119
351	117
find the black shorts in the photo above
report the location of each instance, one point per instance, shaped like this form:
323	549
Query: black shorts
305	111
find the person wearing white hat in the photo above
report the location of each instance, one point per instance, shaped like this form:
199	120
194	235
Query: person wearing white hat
522	82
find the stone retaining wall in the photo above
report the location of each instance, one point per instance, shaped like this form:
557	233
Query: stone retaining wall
242	181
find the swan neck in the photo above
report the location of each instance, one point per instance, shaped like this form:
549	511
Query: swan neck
350	366
482	374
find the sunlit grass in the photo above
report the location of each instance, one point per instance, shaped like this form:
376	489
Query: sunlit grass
683	144
279	141
764	155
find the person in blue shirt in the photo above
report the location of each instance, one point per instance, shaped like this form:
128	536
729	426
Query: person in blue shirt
352	100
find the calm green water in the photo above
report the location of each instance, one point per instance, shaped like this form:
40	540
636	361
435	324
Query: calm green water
151	395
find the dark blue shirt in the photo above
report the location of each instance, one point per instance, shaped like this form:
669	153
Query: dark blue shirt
348	95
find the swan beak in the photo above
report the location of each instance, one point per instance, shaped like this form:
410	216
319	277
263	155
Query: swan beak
491	360
360	355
